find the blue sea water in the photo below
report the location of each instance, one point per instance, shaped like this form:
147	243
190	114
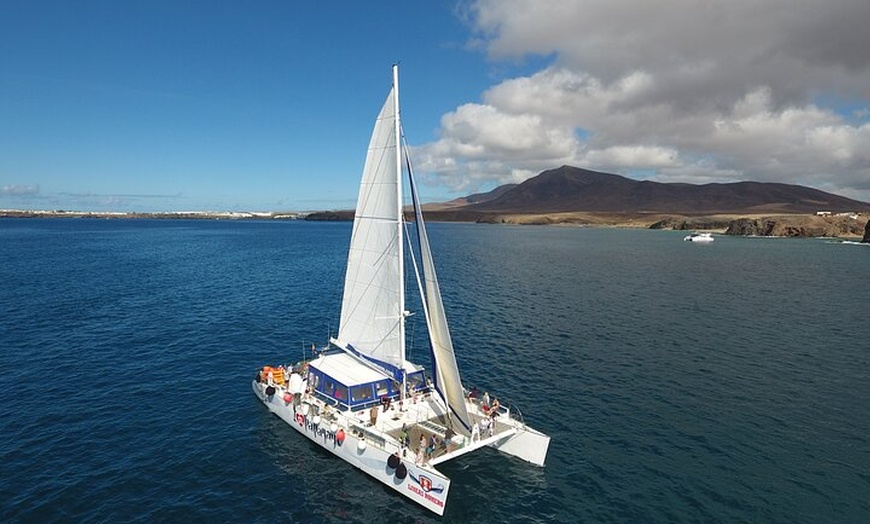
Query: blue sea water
679	382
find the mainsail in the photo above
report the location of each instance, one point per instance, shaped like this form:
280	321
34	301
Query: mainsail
373	303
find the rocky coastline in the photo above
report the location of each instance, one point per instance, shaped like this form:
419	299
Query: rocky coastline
798	226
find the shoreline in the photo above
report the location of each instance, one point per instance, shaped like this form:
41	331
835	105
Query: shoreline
167	215
845	225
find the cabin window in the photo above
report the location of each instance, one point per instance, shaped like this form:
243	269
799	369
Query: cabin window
314	380
340	392
361	393
382	388
416	381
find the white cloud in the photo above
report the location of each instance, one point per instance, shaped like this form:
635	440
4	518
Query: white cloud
691	90
19	190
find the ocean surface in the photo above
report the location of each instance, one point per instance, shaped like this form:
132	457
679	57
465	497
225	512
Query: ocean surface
680	382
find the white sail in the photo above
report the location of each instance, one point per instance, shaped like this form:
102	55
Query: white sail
373	302
446	373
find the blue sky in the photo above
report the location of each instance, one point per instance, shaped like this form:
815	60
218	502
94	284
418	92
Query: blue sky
268	105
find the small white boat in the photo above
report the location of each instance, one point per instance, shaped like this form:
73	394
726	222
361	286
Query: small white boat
359	397
698	237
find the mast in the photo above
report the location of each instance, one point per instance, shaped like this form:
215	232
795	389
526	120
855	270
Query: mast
399	222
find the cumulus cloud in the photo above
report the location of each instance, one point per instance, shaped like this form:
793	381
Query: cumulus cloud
679	90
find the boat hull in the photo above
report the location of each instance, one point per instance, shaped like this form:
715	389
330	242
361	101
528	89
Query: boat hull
423	485
528	444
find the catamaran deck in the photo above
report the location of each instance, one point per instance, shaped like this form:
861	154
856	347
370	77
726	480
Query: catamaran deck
423	417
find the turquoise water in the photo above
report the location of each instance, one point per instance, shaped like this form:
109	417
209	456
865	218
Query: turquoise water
680	382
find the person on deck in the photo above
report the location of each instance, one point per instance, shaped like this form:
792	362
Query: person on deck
373	415
493	410
403	437
448	435
486	427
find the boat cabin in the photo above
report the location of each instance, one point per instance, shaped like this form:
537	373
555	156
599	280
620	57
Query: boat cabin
343	381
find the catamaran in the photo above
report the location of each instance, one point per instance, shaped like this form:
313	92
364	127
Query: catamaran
358	397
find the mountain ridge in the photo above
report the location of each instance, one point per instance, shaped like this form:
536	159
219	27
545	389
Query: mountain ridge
573	189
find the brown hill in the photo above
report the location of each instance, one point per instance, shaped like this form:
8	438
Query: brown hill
571	189
476	198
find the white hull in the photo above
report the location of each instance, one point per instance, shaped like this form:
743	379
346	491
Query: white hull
423	484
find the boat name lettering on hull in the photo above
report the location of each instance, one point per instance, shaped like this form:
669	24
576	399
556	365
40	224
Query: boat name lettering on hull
318	431
431	498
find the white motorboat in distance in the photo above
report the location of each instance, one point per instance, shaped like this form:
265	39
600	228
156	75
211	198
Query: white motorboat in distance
698	237
358	397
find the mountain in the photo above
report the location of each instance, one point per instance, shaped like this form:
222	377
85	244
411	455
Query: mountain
476	198
571	189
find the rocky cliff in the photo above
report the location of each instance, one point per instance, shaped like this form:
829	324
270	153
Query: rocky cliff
866	233
797	226
692	223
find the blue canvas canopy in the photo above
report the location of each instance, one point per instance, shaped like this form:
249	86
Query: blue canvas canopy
342	379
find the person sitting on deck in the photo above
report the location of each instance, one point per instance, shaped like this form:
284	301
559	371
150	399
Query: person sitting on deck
385	402
474	393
